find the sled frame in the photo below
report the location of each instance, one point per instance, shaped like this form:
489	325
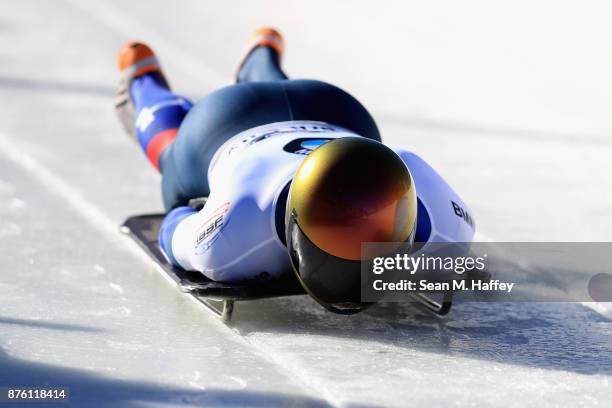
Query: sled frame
218	298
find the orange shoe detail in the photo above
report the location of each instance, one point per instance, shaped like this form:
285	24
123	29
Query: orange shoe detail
136	58
268	37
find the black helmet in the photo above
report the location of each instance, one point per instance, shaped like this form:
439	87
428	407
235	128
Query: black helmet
347	191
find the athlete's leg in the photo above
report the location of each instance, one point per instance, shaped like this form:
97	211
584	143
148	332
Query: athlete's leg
149	110
263	60
159	114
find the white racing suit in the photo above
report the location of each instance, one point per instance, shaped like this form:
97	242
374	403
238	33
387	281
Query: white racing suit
239	234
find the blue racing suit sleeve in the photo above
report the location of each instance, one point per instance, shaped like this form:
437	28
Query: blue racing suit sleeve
168	226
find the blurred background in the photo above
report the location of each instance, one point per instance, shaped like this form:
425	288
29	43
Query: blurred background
509	101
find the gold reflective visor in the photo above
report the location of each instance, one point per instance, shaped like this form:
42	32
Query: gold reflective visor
353	190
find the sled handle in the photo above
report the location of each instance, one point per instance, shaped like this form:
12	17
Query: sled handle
224	313
434	306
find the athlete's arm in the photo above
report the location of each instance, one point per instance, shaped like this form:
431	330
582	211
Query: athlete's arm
168	227
232	239
442	214
187	236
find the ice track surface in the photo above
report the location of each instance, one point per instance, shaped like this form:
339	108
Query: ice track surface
510	102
